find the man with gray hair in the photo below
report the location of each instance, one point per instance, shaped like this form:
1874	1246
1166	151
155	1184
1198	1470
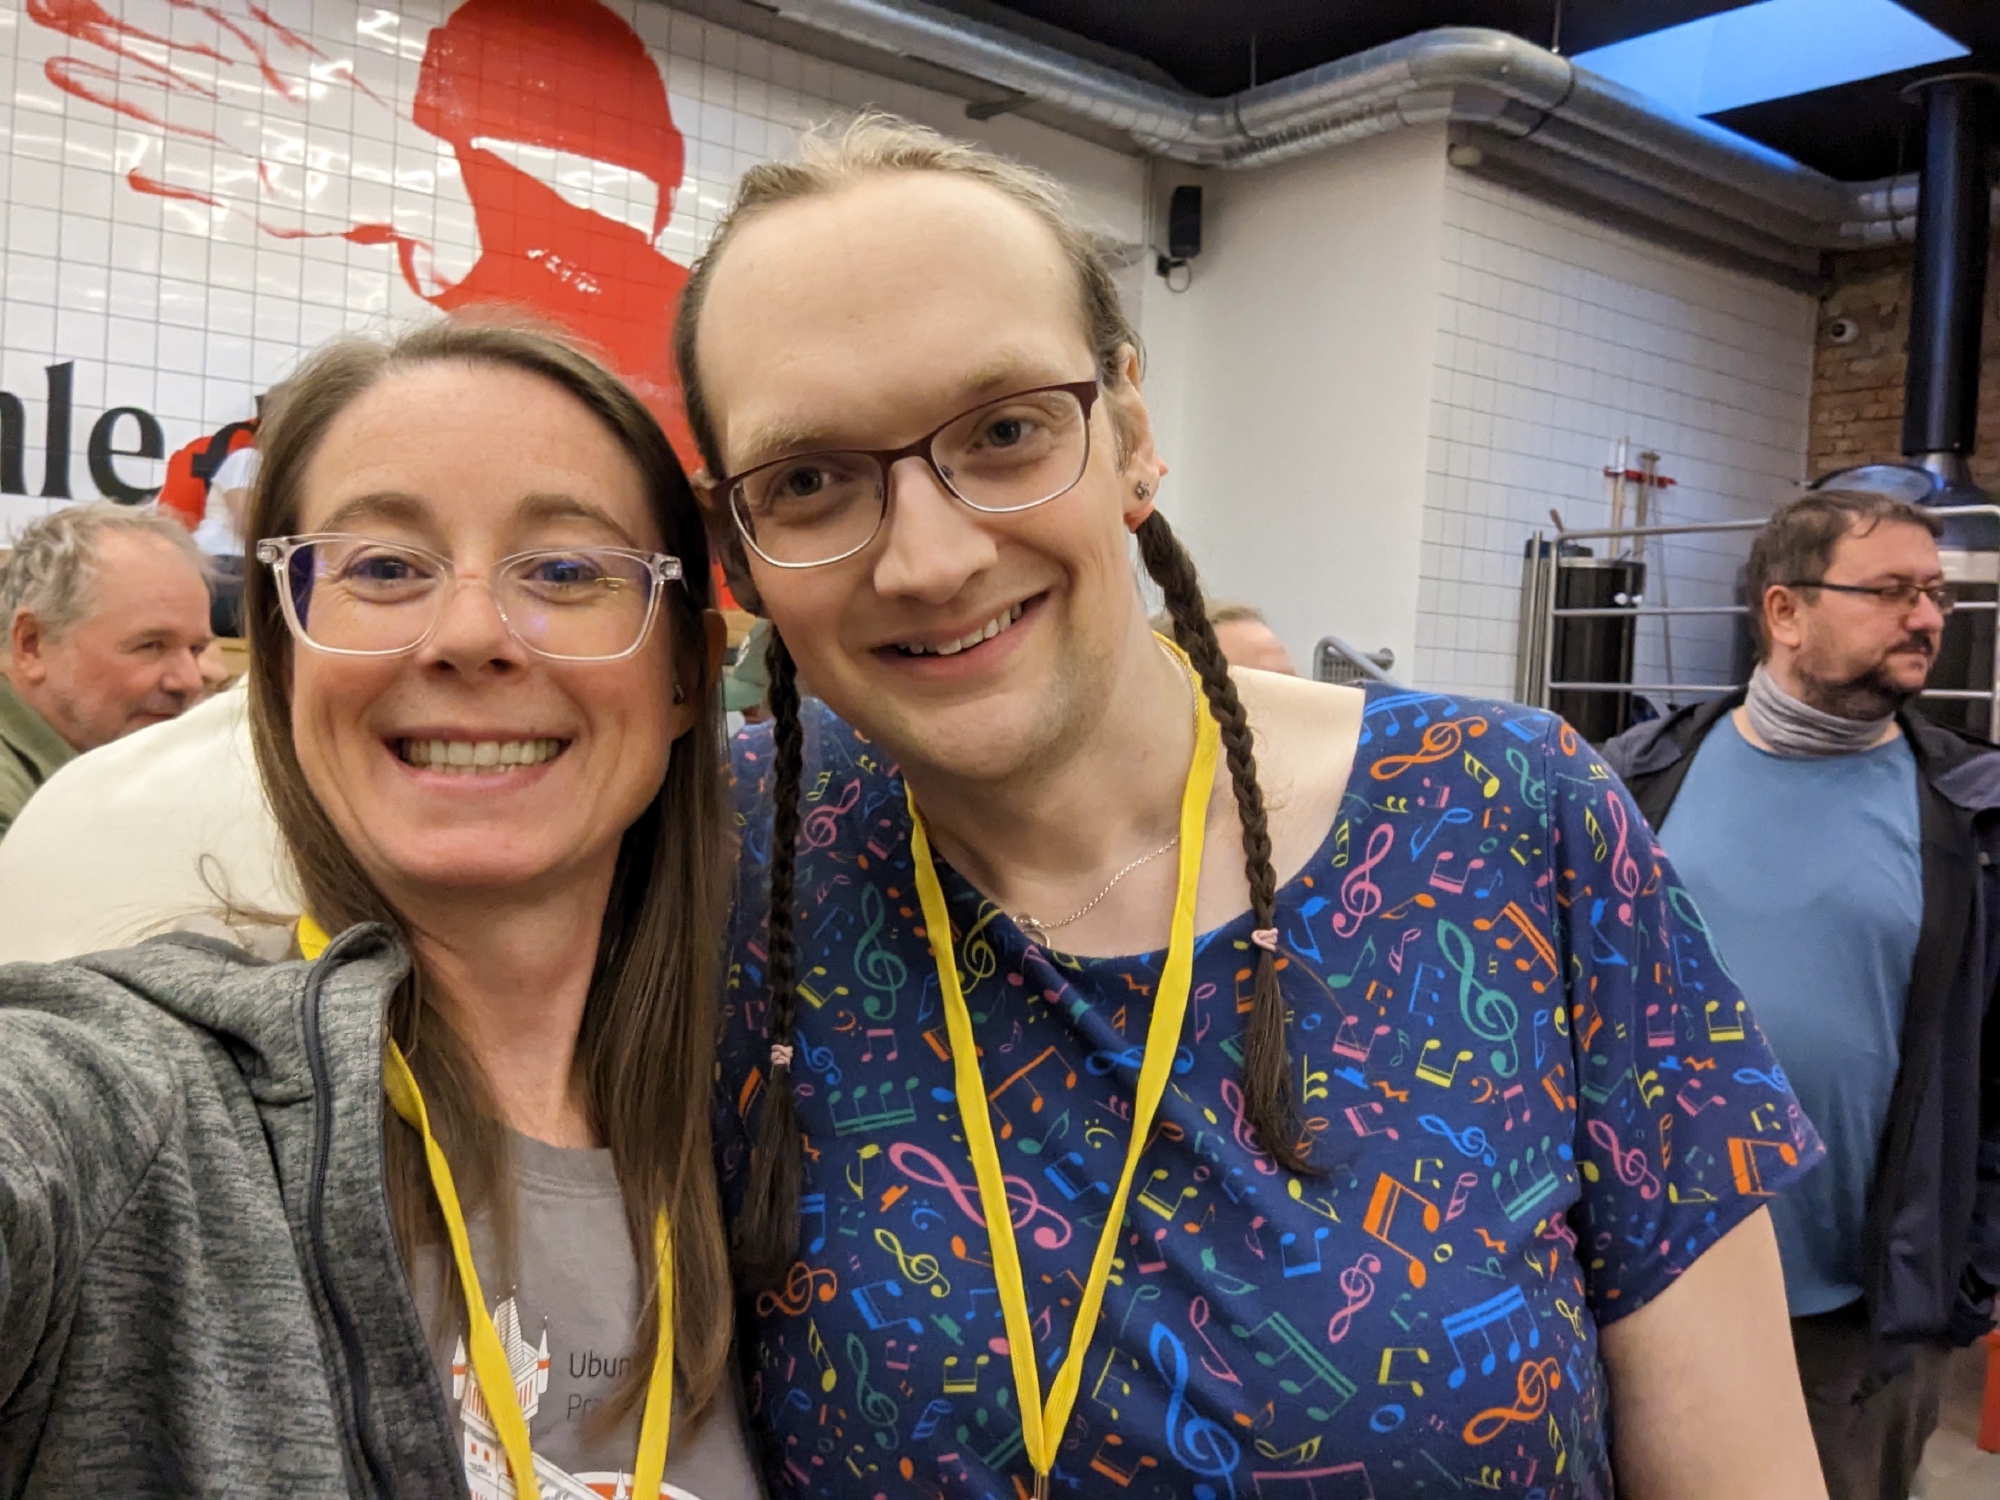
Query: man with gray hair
106	609
1844	852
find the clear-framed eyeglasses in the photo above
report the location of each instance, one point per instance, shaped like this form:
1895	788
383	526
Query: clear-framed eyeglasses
1003	456
357	596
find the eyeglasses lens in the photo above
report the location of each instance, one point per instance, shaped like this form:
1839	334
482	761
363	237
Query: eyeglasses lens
359	596
1010	455
355	595
1015	453
1904	598
811	508
583	603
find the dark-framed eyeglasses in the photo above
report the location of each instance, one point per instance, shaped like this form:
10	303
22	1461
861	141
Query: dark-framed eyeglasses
358	596
1901	597
1002	456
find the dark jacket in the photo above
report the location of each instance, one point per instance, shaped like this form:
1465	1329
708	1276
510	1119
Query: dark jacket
200	1292
1932	1259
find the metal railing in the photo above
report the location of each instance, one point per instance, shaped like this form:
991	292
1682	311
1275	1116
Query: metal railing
1336	661
1535	660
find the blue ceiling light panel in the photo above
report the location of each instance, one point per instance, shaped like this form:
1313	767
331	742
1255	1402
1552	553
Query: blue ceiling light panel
1770	50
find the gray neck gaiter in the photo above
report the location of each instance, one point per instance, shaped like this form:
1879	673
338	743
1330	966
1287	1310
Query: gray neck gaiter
1790	727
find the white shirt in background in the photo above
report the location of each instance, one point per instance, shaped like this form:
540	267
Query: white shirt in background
217	535
139	836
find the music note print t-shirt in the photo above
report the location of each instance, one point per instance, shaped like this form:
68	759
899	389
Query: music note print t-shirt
1536	1094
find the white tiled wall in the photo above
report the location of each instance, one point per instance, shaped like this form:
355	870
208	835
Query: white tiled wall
1557	336
187	308
1553	336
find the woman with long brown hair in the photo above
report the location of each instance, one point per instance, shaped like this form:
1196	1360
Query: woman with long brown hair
430	1205
1147	1076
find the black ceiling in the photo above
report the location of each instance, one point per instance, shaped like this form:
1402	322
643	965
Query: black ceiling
1855	132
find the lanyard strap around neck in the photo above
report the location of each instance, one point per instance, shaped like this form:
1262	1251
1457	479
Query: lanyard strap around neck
1042	1426
489	1359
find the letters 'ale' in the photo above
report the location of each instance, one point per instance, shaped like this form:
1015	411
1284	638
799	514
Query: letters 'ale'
99	453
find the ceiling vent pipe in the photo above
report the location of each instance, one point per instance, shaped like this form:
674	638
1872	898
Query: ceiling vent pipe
1534	114
1948	283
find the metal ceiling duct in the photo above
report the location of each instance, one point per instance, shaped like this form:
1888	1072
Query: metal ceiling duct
1948	283
1543	117
1885	212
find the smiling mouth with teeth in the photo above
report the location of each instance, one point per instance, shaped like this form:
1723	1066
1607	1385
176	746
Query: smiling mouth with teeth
477	757
985	633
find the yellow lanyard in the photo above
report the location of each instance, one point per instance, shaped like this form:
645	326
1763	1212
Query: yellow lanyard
489	1359
1042	1427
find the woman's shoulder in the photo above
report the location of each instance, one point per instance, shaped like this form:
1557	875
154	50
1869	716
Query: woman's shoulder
155	1015
90	1081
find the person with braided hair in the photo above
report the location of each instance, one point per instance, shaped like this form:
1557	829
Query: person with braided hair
1137	1071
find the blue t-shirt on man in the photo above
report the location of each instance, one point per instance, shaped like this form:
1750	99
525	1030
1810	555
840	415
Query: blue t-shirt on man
1808	872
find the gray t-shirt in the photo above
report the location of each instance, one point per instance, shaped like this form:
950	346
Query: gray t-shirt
568	1324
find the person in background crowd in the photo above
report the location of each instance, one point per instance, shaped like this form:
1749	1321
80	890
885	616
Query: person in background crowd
249	1210
1839	846
220	533
107	618
1245	636
192	468
1411	1045
225	511
746	686
208	487
216	670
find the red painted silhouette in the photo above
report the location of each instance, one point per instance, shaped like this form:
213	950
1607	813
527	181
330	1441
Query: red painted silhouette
568	77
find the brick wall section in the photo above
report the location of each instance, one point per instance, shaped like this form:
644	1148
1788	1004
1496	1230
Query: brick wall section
1857	389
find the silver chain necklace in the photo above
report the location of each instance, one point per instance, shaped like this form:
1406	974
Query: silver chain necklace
1038	931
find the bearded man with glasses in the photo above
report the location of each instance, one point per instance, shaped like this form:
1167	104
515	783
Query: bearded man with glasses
1840	848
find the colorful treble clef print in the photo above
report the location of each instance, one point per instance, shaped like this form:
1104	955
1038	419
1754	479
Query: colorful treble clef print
879	967
821	824
1490	1013
1624	868
1025	1206
1479	1064
1360	896
1440	742
1204	1447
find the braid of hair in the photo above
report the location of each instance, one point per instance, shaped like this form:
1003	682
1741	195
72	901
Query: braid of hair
1267	1066
768	1230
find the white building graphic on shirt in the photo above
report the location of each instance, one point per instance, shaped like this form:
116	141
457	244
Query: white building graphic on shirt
487	1473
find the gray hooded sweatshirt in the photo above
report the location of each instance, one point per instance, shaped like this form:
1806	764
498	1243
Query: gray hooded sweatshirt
200	1291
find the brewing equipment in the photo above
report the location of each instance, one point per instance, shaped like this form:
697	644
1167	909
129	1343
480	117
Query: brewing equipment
1576	657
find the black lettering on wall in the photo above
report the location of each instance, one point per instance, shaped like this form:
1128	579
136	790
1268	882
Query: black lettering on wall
103	474
102	450
55	455
13	440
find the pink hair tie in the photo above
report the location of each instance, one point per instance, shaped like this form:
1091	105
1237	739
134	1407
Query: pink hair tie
781	1056
1266	938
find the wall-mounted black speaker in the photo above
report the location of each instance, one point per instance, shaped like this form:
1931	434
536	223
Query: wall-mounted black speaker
1184	224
